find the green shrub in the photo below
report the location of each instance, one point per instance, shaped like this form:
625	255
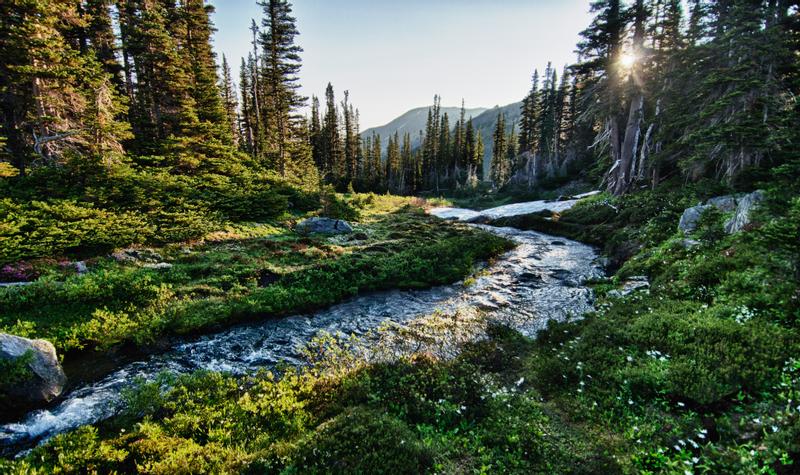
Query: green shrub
362	440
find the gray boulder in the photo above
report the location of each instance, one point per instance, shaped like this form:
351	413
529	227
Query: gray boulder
725	203
46	378
690	218
741	204
323	226
631	285
744	207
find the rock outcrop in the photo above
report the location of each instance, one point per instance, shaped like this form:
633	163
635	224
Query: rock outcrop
45	379
323	226
744	207
740	205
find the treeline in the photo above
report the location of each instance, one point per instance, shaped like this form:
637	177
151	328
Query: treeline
658	93
449	157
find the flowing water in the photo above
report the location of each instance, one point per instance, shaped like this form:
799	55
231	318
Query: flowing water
540	279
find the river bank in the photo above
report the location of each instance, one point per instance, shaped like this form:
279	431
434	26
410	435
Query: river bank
694	372
538	281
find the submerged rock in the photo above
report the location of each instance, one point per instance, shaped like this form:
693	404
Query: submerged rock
324	226
46	378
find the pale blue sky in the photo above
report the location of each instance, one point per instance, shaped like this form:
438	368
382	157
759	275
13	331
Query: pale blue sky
395	55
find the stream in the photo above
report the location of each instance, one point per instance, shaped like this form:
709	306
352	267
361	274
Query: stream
542	278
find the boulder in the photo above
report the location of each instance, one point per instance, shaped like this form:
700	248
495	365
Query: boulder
80	267
741	205
631	285
324	226
725	203
158	265
46	378
690	218
744	206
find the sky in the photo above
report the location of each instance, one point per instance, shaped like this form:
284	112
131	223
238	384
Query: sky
395	55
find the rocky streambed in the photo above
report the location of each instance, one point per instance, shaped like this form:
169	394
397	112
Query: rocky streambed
542	278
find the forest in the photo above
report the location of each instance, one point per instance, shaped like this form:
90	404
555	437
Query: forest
621	296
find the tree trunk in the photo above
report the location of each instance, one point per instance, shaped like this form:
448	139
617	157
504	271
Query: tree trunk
629	145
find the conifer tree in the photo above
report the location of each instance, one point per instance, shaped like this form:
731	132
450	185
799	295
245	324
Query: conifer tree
55	95
528	134
100	33
163	105
459	140
248	116
499	166
315	134
202	67
332	151
280	69
393	160
229	101
350	139
407	182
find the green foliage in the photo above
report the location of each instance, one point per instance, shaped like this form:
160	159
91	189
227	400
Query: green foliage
42	229
15	371
361	440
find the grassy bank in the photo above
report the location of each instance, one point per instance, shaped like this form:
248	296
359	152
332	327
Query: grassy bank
241	272
697	374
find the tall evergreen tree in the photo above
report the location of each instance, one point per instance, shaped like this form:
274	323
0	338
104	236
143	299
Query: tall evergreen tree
499	165
229	101
331	148
280	69
528	134
202	68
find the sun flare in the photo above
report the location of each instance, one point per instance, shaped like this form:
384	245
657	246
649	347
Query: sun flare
627	60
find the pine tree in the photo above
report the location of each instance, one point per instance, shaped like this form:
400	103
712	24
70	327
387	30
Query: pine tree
163	105
229	102
499	166
393	160
202	69
407	183
528	134
55	95
315	134
280	70
248	116
375	174
332	149
445	159
459	139
350	139
100	33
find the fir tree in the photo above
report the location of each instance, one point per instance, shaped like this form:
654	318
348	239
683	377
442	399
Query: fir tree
281	67
229	101
499	166
202	68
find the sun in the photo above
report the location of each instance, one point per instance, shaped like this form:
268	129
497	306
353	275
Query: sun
627	60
